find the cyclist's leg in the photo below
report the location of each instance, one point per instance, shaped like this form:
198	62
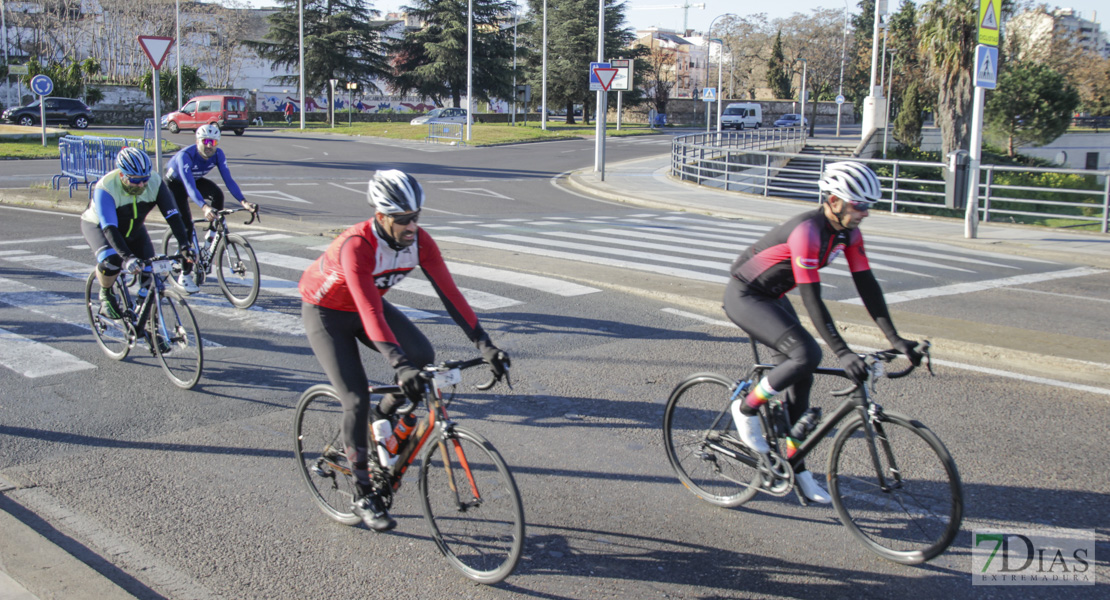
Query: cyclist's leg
109	262
772	322
415	345
208	189
185	209
140	243
331	334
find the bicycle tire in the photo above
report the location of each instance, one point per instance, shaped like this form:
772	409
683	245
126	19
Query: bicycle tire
317	445
111	334
914	521
237	270
183	358
482	537
697	413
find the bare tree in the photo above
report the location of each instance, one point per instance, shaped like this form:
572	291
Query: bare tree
816	38
748	43
659	75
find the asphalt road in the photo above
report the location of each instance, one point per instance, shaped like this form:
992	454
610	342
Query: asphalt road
194	494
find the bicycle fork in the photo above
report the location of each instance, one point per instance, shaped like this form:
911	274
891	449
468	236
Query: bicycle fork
873	431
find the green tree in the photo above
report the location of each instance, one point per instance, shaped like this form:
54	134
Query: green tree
907	125
1032	104
167	84
69	78
433	61
778	75
572	46
341	41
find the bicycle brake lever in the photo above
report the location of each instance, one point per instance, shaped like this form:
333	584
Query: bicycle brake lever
254	217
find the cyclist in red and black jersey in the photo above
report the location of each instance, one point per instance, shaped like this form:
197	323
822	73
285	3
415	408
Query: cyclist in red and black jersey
342	305
790	256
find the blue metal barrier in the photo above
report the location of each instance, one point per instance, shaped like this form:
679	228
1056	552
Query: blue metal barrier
85	159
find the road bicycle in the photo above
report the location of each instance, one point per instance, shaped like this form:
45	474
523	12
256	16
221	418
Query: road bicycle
893	483
154	314
470	499
231	254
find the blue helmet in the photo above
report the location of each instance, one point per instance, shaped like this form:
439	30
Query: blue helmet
133	162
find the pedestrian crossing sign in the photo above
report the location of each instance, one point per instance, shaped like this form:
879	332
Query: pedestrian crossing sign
986	67
709	94
990	11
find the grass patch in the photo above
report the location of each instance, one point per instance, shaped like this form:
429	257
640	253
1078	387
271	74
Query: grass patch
27	149
482	134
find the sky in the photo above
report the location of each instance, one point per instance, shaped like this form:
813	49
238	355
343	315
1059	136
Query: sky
642	14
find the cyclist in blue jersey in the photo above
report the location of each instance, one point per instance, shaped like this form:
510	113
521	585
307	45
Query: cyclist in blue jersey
113	222
185	177
789	256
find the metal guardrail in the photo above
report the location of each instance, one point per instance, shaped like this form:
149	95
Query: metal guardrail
85	159
445	132
1076	196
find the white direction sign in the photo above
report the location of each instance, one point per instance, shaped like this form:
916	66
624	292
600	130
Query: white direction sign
622	81
709	94
986	66
157	48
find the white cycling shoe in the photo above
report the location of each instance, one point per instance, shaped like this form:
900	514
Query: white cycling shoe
187	283
811	489
749	429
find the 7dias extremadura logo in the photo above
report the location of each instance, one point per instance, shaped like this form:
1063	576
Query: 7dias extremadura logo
1033	557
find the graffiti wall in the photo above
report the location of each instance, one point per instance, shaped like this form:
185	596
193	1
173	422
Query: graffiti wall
276	103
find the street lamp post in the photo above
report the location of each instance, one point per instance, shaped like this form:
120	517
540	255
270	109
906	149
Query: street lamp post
469	67
177	37
516	18
843	58
8	77
803	121
889	98
720	92
300	11
708	33
543	123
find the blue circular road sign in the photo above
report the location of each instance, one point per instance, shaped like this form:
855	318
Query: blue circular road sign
42	85
840	99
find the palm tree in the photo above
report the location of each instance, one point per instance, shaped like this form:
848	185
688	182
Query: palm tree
949	30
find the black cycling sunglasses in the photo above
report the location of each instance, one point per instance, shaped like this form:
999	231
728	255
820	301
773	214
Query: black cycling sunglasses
406	219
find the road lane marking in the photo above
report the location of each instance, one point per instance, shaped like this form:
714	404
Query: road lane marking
35	359
723	266
596	260
980	286
61	238
536	282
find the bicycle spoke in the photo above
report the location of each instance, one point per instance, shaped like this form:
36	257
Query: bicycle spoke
696	419
473	507
918	514
237	271
177	340
318	446
111	334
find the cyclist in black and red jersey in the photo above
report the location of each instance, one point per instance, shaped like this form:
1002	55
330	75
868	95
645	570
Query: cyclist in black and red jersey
342	305
789	256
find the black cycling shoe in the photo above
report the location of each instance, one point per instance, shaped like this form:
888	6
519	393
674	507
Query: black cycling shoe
369	508
109	303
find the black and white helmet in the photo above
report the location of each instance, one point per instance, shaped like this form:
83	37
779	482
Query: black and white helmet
392	192
851	181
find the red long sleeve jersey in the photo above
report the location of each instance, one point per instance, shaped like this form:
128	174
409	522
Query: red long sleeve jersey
792	253
359	267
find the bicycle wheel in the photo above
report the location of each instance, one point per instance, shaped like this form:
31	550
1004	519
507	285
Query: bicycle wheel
111	334
318	446
701	443
177	340
237	270
472	506
919	513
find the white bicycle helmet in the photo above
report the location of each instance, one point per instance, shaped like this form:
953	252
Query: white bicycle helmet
851	181
392	192
208	132
133	162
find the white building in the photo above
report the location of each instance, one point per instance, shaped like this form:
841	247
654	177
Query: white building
1033	30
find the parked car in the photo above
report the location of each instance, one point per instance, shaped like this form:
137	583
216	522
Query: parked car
227	112
441	115
58	110
790	120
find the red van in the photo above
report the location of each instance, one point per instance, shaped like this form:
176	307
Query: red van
227	112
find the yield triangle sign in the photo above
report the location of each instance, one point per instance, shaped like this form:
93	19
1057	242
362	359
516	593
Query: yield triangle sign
157	48
605	76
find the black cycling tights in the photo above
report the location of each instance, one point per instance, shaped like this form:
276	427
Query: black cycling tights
335	336
207	189
774	323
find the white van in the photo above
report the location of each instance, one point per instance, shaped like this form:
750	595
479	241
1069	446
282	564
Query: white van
741	115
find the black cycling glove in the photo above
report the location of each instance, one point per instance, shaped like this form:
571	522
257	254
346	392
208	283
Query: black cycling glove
854	366
909	349
411	381
497	358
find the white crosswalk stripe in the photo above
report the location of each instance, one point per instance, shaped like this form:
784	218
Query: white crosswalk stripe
35	359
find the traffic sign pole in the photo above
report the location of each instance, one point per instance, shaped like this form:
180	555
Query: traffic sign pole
43	86
157	48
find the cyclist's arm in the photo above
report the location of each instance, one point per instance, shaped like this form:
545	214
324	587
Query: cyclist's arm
168	205
868	287
225	173
356	258
105	206
822	320
431	262
804	243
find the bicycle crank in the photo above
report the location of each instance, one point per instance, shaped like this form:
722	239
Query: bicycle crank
777	475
